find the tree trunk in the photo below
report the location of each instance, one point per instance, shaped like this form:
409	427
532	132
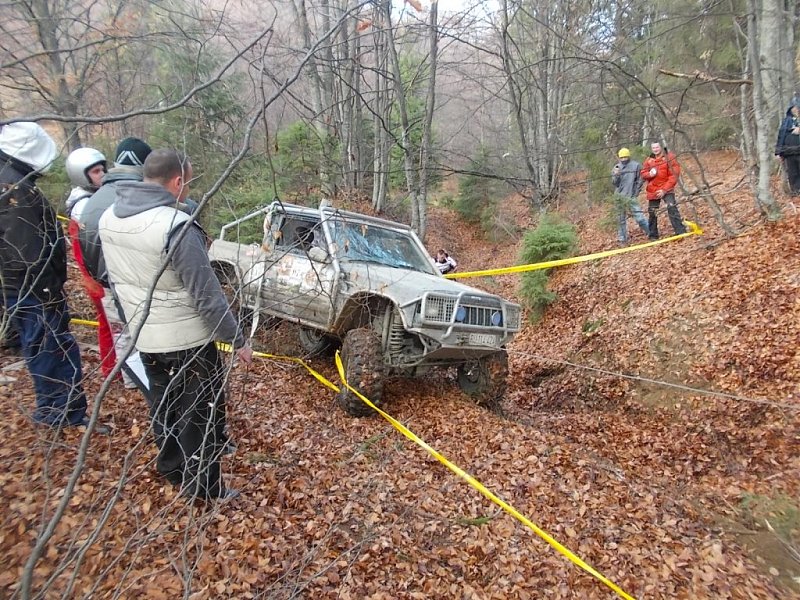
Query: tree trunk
430	105
776	55
347	98
747	143
320	94
382	114
65	102
764	130
514	97
409	167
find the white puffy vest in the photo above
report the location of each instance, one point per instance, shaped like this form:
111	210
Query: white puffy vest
135	249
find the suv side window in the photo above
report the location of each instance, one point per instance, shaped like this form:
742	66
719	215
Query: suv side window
299	235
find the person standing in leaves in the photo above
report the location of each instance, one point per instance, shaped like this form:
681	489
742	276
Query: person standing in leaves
33	269
627	180
661	172
187	312
85	169
787	148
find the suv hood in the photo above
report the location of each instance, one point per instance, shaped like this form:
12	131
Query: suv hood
403	285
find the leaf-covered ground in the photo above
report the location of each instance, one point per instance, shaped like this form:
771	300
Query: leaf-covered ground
664	490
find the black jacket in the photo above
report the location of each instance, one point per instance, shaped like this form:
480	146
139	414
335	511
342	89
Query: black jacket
788	143
33	254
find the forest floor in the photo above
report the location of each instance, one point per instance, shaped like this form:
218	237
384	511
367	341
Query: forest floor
651	426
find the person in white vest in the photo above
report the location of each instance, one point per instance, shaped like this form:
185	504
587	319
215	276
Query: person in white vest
146	237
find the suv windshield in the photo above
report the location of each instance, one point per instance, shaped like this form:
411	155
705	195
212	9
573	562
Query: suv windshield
372	243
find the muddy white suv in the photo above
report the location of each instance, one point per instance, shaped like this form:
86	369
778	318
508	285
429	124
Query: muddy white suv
370	285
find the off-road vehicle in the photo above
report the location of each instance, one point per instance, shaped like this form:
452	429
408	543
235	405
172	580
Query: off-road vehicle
369	284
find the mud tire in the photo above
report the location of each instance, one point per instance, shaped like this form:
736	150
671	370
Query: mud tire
315	342
484	380
230	287
362	357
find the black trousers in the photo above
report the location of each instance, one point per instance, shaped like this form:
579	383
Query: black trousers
672	211
792	164
188	416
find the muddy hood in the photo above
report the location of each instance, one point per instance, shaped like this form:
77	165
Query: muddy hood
403	285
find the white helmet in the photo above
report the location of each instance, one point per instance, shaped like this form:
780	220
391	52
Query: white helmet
81	160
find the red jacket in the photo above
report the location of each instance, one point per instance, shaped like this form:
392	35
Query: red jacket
666	178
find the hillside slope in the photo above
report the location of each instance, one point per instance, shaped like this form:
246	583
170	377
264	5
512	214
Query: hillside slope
716	314
663	489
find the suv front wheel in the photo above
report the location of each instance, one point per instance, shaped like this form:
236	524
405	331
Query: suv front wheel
362	357
484	379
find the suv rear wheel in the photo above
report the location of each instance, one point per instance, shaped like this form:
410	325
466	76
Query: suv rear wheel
231	288
484	379
362	357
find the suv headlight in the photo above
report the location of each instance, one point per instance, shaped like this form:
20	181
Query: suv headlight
512	316
438	308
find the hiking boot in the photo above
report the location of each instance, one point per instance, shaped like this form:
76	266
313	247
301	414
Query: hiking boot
81	425
228	494
224	495
99	428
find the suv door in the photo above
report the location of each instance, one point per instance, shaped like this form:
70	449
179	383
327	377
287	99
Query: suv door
298	285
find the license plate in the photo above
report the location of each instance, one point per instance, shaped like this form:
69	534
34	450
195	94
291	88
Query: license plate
482	339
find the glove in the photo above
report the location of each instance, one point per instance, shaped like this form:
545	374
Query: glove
653	172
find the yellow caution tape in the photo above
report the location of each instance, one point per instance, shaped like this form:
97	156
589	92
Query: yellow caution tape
477	485
228	348
84	322
318	376
563	550
693	230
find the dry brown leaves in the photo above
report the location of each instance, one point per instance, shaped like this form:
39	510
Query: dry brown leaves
628	475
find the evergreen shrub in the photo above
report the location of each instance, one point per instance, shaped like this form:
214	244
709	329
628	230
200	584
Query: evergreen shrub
552	239
296	160
478	199
719	133
475	192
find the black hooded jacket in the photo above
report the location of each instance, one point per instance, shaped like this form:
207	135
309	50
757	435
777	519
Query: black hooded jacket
788	143
33	254
89	234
